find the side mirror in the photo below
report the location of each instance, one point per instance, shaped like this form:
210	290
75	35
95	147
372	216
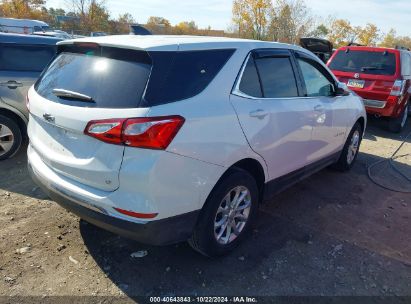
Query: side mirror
327	90
342	89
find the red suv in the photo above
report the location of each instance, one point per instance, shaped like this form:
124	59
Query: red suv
381	76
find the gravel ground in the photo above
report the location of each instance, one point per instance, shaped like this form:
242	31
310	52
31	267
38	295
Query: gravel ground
332	234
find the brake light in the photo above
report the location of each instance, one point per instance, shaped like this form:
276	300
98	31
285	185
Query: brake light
398	88
148	132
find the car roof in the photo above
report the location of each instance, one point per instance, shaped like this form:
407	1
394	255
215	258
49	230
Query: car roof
27	39
173	43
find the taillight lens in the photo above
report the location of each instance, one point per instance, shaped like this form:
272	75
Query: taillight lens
398	88
108	130
148	132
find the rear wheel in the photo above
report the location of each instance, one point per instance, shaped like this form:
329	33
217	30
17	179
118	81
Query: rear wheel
10	137
397	124
227	214
351	148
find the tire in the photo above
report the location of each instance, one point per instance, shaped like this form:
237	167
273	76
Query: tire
205	238
349	153
10	137
396	125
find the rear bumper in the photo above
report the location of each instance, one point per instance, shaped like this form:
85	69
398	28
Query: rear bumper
160	232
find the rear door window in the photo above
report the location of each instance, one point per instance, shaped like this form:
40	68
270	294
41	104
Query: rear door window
250	83
365	62
184	74
277	77
25	58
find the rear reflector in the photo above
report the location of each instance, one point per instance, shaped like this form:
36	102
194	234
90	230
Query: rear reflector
148	132
136	214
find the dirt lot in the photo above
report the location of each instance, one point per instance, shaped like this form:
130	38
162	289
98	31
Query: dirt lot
333	234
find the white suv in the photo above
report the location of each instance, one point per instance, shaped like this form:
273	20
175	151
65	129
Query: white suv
165	139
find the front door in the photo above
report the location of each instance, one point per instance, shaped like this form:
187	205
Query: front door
329	127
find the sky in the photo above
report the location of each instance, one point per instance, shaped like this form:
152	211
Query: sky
386	14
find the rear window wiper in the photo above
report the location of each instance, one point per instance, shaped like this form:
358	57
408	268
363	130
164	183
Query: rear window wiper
371	68
72	95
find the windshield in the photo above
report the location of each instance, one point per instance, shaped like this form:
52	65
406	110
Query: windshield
365	62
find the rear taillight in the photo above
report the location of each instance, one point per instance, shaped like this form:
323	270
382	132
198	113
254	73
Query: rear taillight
398	88
148	132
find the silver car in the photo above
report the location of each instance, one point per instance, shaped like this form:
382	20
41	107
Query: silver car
22	59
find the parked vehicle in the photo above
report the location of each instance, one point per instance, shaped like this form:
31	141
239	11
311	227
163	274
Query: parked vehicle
22	26
98	34
22	59
381	76
166	138
137	29
57	34
322	48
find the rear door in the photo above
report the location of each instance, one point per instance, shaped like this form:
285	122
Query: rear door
20	66
275	119
114	81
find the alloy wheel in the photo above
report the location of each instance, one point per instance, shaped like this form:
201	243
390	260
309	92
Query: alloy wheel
353	147
6	139
232	215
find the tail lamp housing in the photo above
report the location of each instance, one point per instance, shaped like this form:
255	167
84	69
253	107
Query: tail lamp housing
398	88
146	132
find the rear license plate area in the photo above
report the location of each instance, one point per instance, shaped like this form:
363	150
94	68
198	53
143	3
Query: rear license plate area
355	83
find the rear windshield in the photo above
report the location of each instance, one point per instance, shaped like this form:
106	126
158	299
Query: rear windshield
111	83
120	78
377	63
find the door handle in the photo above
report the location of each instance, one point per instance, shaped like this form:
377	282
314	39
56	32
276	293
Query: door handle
319	108
258	113
11	84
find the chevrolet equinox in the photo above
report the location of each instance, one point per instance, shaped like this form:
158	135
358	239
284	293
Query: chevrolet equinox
166	139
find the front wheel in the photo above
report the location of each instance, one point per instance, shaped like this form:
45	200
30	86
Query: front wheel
351	148
227	215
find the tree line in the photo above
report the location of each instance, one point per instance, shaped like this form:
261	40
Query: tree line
85	16
289	20
272	20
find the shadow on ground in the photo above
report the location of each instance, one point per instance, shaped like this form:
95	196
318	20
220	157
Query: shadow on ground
18	181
